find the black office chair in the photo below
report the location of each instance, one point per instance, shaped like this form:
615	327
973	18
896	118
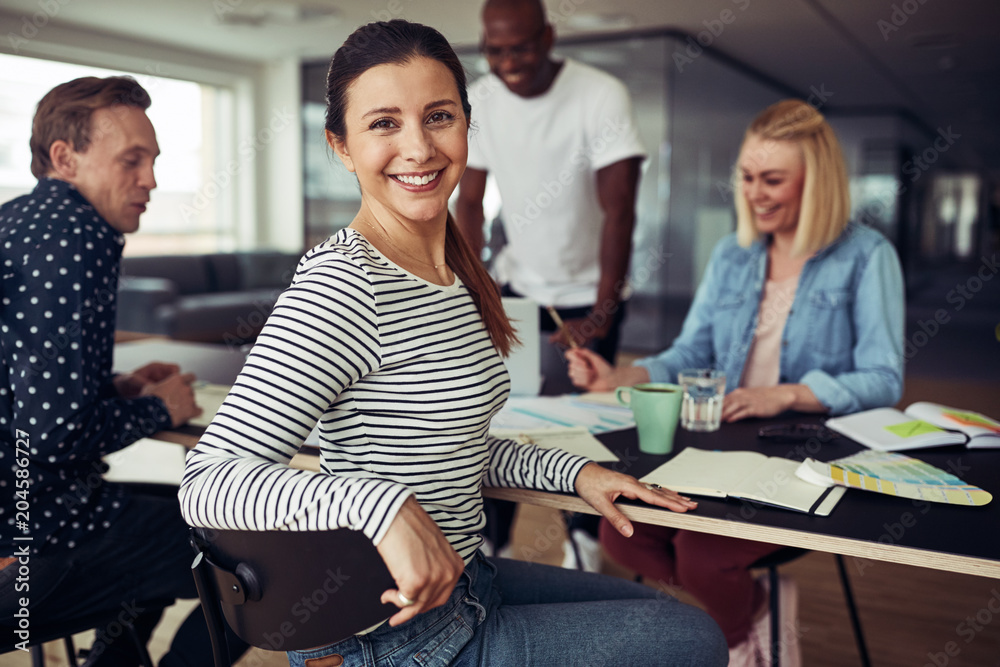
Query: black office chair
41	633
771	563
284	590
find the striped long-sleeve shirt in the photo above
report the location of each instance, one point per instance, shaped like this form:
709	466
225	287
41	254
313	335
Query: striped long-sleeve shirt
402	378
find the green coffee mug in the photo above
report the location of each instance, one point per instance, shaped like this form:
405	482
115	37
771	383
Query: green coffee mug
657	409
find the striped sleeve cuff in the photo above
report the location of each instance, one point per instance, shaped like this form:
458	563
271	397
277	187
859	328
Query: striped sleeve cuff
531	467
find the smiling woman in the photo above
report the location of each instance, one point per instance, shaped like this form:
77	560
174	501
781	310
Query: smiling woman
803	311
408	148
390	340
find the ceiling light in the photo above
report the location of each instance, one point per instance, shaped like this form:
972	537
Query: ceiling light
588	21
276	14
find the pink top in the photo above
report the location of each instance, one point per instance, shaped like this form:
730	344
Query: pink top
764	361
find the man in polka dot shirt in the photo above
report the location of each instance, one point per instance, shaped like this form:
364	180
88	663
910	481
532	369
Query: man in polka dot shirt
71	544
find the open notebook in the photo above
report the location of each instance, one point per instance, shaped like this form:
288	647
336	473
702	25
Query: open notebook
768	480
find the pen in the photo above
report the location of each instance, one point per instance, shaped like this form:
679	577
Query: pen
562	327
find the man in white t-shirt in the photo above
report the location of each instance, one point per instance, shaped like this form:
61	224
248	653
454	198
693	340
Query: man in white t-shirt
560	139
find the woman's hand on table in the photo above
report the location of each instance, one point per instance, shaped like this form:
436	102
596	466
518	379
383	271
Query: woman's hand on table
588	370
420	559
601	487
769	401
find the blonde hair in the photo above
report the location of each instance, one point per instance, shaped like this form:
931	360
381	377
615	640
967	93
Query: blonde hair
826	199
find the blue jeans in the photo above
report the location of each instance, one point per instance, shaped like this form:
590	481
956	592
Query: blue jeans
506	613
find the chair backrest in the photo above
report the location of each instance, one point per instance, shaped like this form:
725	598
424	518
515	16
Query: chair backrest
284	590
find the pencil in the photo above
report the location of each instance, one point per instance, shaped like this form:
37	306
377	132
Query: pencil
562	327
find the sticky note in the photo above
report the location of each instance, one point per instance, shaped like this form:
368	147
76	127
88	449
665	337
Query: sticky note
913	428
970	418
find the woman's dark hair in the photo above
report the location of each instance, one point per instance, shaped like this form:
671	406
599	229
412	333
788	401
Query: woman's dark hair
385	43
395	43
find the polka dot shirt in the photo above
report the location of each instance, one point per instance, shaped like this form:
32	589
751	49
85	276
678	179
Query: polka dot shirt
59	411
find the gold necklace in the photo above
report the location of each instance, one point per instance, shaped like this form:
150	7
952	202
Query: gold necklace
385	237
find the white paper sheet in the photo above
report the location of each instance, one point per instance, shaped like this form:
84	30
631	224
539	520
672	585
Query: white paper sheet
577	441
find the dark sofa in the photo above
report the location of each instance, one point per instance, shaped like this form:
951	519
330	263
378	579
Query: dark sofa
222	297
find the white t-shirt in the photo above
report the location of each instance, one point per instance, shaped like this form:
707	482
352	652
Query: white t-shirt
544	153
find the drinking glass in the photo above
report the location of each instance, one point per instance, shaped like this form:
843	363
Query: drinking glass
704	390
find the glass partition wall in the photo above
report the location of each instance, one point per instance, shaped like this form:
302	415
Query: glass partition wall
692	111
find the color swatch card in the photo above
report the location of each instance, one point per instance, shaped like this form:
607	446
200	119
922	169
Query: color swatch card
895	475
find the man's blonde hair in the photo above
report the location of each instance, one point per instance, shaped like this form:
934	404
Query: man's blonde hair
826	199
65	114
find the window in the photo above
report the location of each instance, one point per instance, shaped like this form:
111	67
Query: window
191	210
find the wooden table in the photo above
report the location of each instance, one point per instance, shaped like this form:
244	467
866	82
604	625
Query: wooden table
865	525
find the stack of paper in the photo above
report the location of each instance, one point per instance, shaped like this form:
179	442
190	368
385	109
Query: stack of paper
209	398
147	461
573	440
544	412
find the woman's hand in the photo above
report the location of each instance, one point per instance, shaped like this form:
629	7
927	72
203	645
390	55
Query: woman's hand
588	370
600	487
769	401
421	560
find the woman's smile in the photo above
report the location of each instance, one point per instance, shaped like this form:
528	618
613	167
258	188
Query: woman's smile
418	182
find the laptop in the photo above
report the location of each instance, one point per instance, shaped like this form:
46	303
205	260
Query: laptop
524	362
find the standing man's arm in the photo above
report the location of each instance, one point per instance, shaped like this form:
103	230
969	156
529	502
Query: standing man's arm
617	185
469	208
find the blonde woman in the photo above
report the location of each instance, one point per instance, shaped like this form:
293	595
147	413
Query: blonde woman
803	311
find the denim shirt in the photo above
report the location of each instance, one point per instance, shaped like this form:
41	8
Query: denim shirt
844	334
